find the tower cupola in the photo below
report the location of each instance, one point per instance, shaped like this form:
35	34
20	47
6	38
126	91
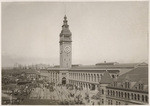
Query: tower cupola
65	34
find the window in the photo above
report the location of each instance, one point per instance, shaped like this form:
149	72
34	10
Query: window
142	98
127	85
140	86
122	94
125	95
113	76
134	96
102	91
116	93
98	77
138	97
113	93
116	102
108	92
108	102
115	83
111	102
128	96
119	94
102	101
146	98
122	86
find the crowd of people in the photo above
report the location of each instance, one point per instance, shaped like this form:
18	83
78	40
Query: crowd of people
19	88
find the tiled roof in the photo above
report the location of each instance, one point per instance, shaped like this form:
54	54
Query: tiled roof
144	80
106	78
135	74
129	65
79	67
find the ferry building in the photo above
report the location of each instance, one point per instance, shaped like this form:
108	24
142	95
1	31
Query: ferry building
85	76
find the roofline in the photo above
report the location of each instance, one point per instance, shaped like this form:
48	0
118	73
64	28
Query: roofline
124	89
69	69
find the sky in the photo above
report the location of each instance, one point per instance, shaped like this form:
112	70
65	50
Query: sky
101	31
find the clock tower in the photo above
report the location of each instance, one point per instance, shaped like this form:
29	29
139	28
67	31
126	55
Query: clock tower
65	45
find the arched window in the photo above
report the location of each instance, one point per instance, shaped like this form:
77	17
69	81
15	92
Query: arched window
91	77
98	78
113	93
94	78
116	93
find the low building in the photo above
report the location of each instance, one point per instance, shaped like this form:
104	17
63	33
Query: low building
130	88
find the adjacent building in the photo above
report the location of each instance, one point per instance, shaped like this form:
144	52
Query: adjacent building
130	88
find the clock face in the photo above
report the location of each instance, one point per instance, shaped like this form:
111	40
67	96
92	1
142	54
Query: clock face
67	49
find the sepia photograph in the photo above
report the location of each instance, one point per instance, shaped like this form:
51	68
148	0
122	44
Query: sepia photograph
74	53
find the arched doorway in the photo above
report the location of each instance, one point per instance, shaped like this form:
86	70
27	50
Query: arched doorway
63	80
